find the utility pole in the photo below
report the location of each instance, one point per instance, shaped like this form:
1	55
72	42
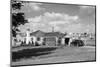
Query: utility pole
52	28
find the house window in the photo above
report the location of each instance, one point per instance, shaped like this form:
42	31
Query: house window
60	38
32	39
38	38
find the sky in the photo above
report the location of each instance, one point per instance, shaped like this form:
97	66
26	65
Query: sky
63	17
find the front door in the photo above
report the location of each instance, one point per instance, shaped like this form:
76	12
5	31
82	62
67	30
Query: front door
66	41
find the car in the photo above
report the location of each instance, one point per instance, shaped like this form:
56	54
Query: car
77	43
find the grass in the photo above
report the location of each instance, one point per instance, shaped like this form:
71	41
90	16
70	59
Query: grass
90	43
27	53
66	54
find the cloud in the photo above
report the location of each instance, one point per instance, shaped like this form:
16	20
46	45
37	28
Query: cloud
73	28
32	26
47	20
57	22
60	16
61	22
35	19
54	18
79	28
35	6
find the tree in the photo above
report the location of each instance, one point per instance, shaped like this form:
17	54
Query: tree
18	18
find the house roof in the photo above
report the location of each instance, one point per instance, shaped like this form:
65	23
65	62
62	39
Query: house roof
43	34
37	33
57	34
21	34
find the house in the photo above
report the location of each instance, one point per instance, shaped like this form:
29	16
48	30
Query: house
37	37
47	38
20	38
53	38
40	38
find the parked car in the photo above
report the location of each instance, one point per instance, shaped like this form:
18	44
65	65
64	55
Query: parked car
77	43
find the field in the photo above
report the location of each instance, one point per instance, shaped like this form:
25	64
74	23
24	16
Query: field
43	55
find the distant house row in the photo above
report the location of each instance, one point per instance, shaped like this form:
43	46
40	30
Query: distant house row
41	38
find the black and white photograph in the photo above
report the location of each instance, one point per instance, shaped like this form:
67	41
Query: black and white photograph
52	33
